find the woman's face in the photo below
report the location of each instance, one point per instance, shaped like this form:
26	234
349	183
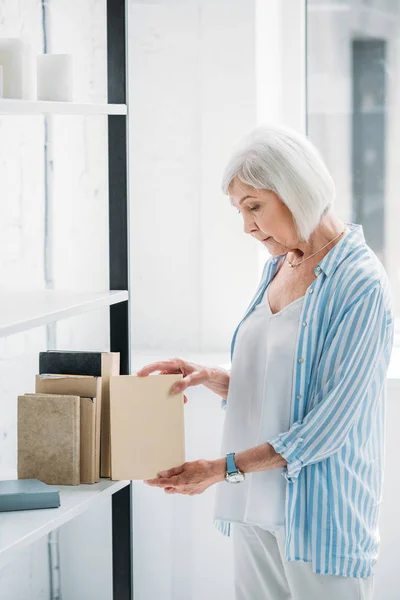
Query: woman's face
265	217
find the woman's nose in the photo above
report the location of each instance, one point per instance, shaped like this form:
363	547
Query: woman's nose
248	225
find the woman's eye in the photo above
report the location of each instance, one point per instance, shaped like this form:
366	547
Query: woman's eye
254	208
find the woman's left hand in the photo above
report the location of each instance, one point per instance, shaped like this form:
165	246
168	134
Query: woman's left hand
191	478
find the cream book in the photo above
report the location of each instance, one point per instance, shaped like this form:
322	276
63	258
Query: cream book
147	426
49	438
89	390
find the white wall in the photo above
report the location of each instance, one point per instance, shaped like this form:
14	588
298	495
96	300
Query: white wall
201	74
79	260
192	93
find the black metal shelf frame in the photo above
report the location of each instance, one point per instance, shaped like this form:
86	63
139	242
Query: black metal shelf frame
122	501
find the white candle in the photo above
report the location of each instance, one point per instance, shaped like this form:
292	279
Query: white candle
11	59
54	77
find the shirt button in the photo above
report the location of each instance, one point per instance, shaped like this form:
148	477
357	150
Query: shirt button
310	291
304	323
301	360
299	396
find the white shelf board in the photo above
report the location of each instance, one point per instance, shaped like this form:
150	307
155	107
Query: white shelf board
41	107
18	529
21	309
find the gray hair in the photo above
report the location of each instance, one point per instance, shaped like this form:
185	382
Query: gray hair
281	160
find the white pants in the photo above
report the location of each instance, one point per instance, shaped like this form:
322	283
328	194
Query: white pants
263	573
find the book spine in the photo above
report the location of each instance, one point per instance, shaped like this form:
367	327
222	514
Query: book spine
77	443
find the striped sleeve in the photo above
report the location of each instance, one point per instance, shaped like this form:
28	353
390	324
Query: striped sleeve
349	367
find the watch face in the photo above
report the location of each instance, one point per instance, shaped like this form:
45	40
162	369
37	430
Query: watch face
235	477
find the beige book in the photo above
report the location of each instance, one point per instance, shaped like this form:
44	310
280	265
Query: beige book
88	440
110	367
147	426
49	438
84	386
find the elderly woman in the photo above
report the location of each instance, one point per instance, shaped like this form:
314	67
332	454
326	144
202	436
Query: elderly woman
301	482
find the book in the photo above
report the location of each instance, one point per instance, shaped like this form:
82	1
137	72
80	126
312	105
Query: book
97	364
87	439
89	468
147	426
49	438
27	494
89	388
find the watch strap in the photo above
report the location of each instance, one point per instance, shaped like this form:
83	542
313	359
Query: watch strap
230	463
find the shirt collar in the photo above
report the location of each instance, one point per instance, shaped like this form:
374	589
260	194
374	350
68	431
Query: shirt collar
339	252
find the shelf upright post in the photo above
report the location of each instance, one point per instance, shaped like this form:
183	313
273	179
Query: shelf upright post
122	530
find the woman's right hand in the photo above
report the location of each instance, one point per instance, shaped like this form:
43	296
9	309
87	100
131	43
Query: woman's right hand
216	380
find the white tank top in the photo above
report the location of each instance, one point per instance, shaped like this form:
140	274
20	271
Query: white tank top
258	409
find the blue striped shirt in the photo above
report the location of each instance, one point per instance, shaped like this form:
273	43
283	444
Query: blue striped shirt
335	444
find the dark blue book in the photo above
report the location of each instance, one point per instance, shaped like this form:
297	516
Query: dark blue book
27	494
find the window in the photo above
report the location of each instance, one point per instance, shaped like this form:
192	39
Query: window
353	115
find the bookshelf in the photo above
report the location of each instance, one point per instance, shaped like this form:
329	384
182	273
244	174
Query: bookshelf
21	310
43	107
21	528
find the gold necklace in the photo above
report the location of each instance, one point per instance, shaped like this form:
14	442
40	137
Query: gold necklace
304	259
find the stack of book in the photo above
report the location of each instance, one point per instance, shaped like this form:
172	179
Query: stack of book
64	427
85	421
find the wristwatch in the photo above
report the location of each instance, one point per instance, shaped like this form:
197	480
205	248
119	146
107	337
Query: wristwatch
232	475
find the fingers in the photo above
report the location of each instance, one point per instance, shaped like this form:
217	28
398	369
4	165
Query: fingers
196	378
167	478
168	366
184	397
152	368
172	472
185	491
173	367
164	482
